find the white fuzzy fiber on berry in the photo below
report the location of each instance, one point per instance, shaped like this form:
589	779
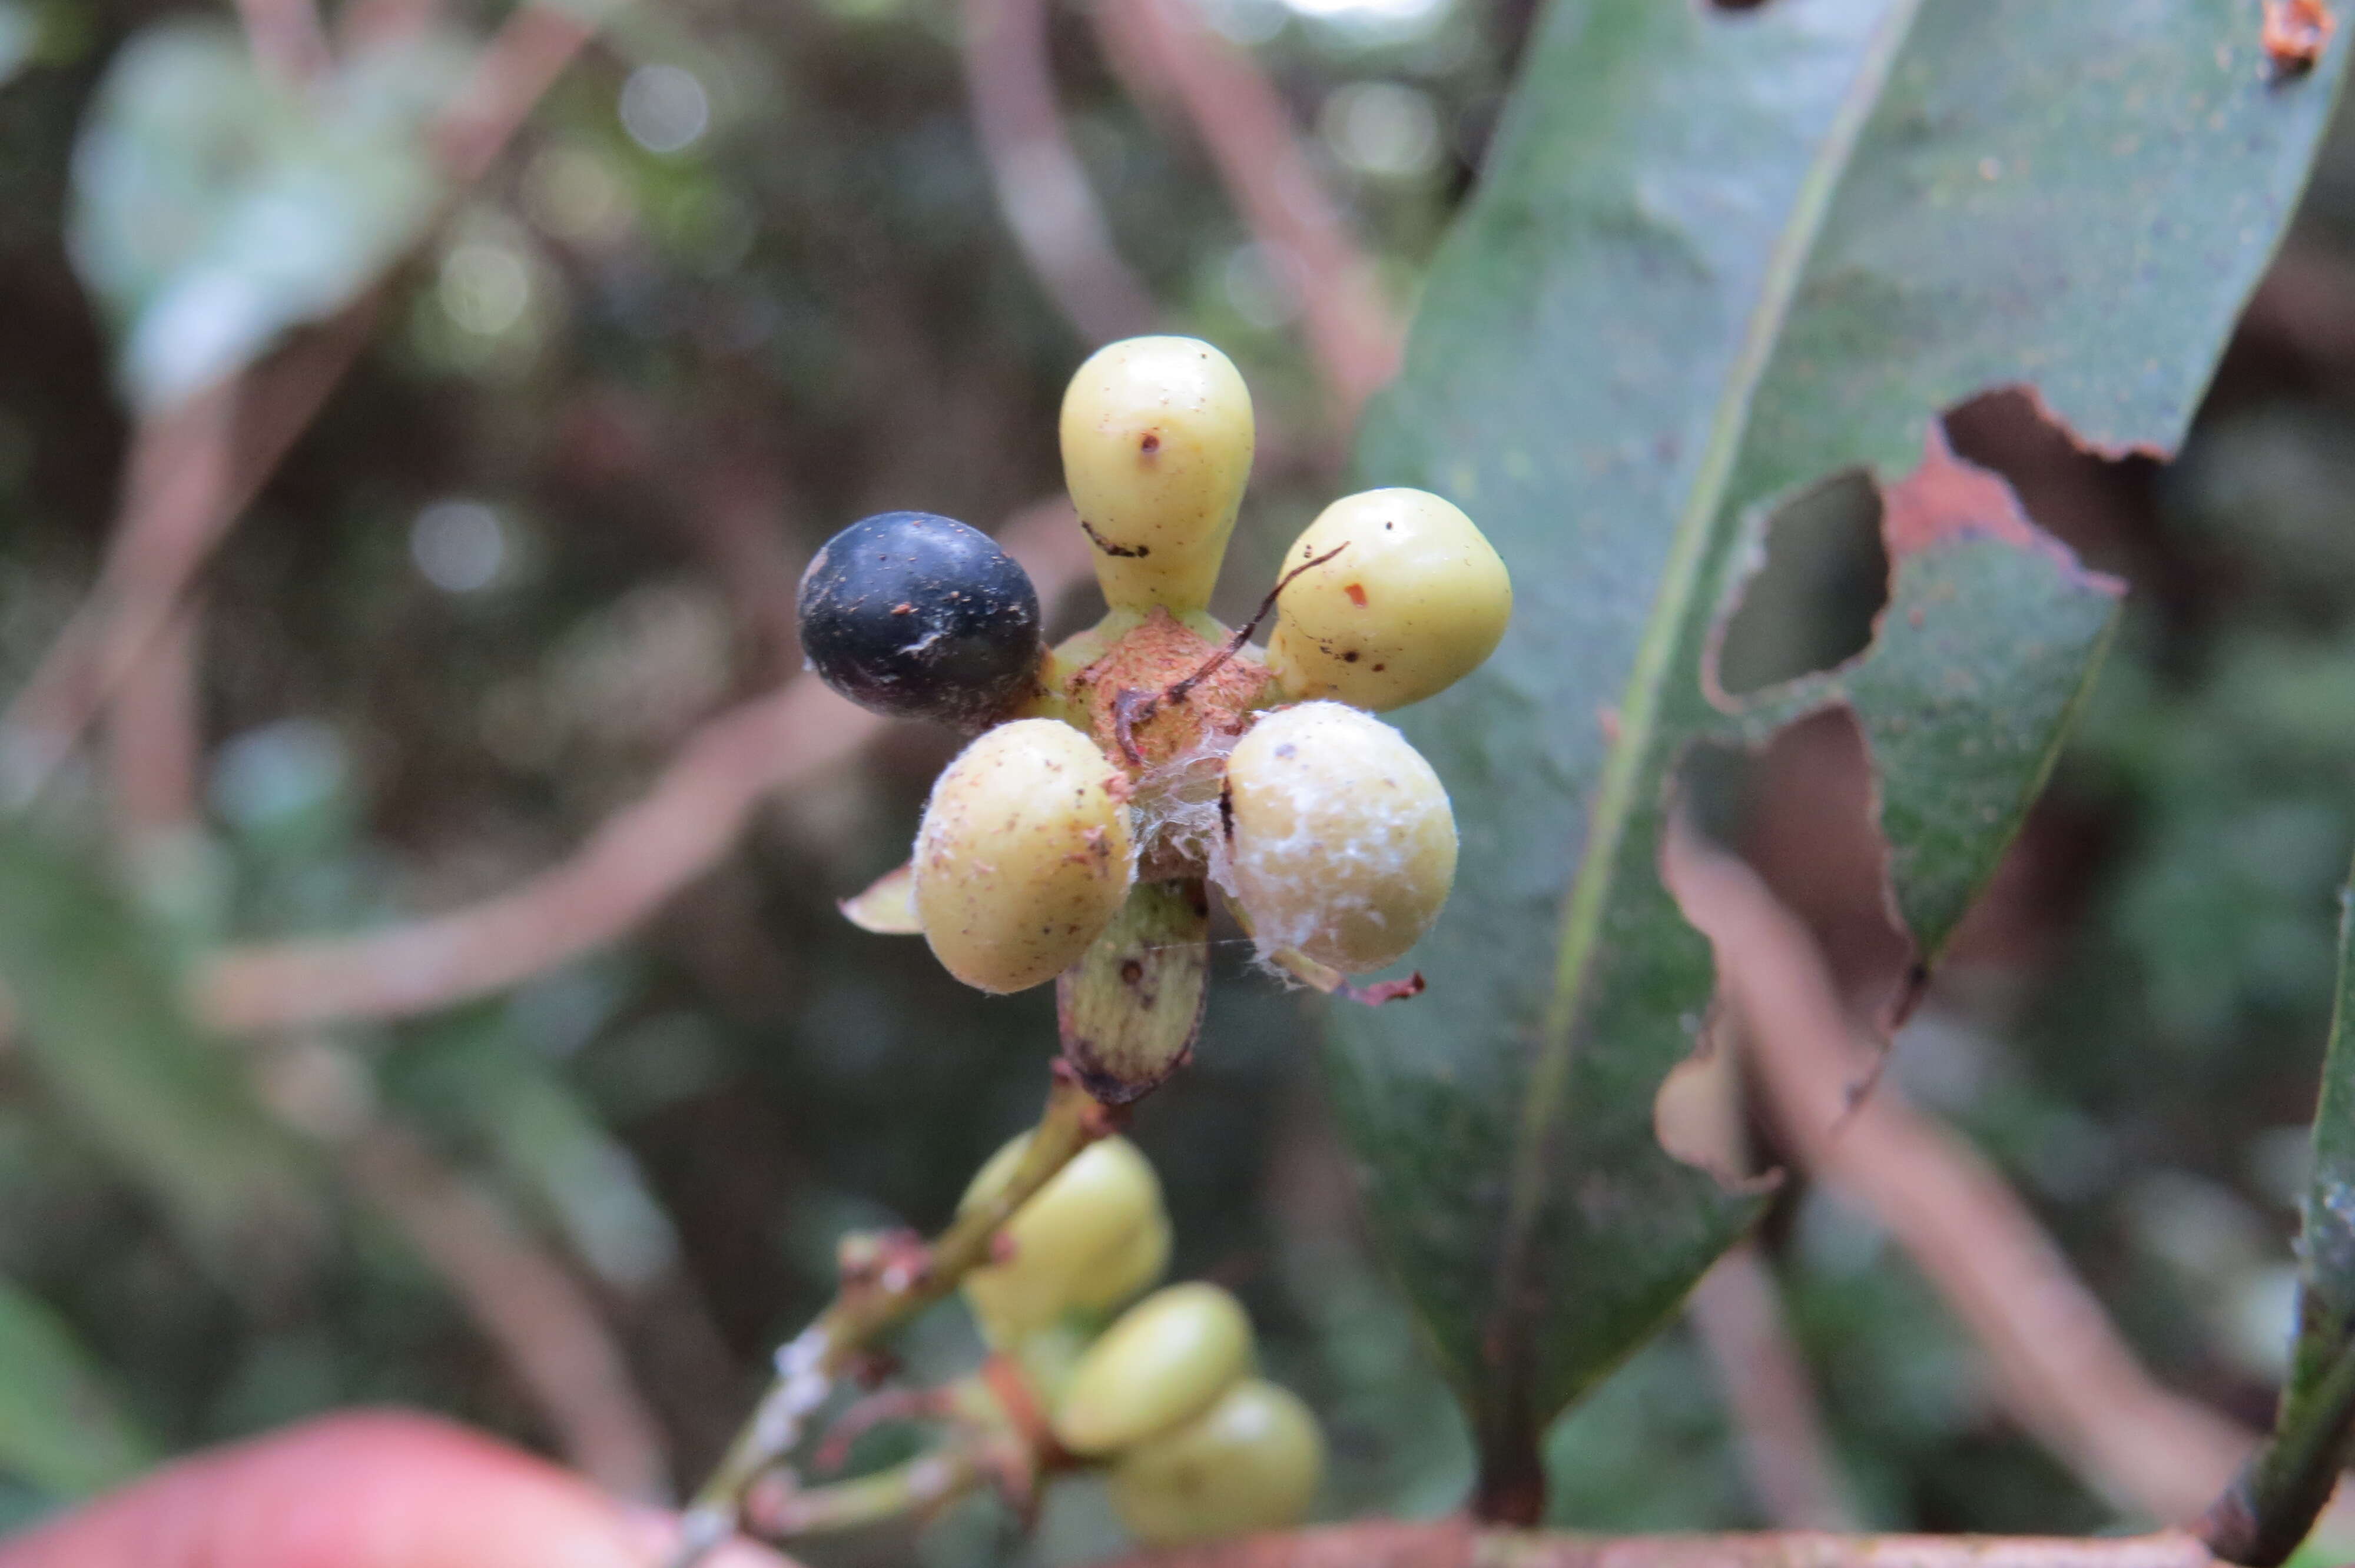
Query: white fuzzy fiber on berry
1342	844
1179	822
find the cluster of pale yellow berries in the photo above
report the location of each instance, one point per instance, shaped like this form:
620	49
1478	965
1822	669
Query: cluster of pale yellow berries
1162	1396
1111	783
1158	747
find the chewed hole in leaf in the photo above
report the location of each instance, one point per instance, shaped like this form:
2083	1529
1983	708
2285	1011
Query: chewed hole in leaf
1814	838
1810	604
2086	498
1715	784
1698	1112
1801	811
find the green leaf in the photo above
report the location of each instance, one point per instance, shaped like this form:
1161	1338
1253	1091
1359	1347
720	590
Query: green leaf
211	211
61	1429
2273	1505
99	1014
1720	256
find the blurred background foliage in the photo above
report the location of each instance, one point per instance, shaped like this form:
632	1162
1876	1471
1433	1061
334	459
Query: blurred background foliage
742	278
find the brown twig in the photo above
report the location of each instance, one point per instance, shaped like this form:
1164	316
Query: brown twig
542	1324
1453	1544
191	471
630	867
1241	119
736	494
175	478
287	40
518	66
194	466
365	24
535	1313
154	742
1736	1312
2064	1371
1042	187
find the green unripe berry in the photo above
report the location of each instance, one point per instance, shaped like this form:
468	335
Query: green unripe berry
1134	1268
1414	601
1092	1237
1251	1461
1045	1358
1342	845
1157	436
1024	856
1165	1362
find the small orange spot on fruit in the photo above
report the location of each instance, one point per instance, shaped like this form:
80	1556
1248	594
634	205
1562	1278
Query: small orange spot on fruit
1356	592
2297	32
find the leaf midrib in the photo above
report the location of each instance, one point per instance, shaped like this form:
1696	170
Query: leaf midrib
1639	709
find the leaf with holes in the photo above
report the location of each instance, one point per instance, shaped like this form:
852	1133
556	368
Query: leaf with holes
1718	256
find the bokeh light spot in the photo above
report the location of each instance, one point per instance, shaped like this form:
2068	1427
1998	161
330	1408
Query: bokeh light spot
459	545
664	108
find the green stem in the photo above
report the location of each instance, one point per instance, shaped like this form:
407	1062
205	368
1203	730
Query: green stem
864	1310
2272	1505
916	1487
2279	1493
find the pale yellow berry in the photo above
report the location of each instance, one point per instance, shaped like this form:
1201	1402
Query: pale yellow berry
1046	1359
1251	1461
1414	600
1085	1240
1137	1267
1158	437
1025	854
1342	845
1163	1362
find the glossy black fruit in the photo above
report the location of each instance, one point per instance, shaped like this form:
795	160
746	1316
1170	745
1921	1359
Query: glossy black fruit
921	616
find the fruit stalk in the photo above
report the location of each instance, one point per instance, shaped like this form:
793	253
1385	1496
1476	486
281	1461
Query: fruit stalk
914	1487
1130	1010
907	1278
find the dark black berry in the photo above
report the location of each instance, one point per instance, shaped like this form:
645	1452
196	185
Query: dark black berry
921	616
